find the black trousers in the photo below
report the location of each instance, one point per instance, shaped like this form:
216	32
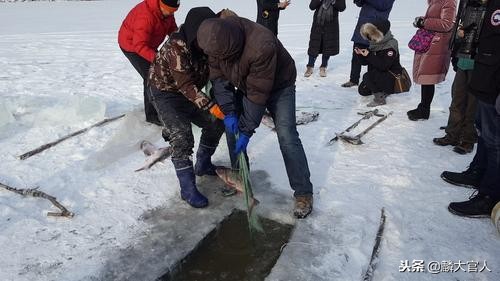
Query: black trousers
142	66
176	113
355	63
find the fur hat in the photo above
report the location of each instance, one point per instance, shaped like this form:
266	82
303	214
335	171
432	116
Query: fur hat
375	31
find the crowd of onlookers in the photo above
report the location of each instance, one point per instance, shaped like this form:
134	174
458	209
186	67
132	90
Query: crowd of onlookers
250	73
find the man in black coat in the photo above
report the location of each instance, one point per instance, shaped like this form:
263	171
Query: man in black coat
483	172
268	12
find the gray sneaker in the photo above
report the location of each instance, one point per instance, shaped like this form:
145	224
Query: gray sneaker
303	206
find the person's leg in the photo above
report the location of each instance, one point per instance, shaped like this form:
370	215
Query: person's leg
489	188
469	133
324	60
422	111
141	65
282	109
324	65
457	106
490	134
212	130
356	64
310	66
174	111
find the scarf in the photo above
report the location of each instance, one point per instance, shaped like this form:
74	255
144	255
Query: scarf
325	12
386	43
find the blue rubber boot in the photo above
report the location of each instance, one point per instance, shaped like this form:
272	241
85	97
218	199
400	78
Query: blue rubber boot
189	192
204	164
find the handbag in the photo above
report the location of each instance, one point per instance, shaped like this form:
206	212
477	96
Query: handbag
421	41
402	82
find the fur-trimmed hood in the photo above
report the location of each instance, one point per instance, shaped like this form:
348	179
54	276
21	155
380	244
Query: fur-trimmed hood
375	31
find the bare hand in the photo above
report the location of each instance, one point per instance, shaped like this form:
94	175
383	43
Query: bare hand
284	4
364	52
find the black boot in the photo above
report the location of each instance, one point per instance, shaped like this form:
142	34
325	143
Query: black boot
476	207
470	178
204	164
419	113
187	181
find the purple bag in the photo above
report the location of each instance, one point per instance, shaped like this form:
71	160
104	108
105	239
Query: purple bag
421	41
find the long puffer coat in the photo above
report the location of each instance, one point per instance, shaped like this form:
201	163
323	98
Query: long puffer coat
431	67
325	39
144	29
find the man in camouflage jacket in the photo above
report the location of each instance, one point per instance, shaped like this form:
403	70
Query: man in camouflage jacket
176	77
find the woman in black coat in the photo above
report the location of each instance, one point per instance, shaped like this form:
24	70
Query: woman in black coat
324	38
268	12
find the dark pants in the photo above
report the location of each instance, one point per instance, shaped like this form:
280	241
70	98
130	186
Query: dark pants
176	113
142	66
462	110
356	63
487	158
324	60
281	106
427	95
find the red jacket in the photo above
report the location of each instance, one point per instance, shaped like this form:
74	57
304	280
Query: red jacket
144	29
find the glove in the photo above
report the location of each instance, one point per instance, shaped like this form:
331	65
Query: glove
215	111
418	22
241	143
231	123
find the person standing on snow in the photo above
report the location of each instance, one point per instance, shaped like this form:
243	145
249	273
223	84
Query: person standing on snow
382	58
431	67
246	55
324	38
268	13
177	75
483	172
371	10
141	33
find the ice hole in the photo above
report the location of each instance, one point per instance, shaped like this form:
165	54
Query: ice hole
229	252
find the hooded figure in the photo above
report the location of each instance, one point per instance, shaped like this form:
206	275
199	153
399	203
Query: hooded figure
382	58
177	75
247	56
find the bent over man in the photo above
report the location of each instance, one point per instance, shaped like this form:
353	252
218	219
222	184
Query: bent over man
248	56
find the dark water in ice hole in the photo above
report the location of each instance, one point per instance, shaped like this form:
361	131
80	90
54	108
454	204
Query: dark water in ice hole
228	253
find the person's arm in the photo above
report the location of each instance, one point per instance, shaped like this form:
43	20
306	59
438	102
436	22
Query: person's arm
315	4
384	60
141	37
381	5
222	89
259	83
177	59
445	22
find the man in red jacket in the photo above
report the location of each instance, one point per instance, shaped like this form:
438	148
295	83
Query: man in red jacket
141	33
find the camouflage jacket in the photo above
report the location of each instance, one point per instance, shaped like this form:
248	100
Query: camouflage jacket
176	69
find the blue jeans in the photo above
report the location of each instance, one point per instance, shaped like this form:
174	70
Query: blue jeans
281	105
487	158
324	61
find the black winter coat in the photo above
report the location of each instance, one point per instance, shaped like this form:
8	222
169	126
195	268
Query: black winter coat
378	78
325	39
485	79
268	14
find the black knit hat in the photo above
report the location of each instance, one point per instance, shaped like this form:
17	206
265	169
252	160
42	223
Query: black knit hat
193	20
383	25
171	3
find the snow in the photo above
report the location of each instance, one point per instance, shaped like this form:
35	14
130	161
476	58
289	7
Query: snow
62	71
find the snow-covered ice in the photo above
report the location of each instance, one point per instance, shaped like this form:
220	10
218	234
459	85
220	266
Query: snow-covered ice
62	70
